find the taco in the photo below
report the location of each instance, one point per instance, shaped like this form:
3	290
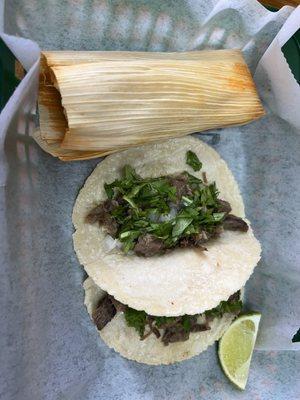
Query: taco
162	228
156	340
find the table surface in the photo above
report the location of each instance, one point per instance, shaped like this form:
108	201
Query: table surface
71	370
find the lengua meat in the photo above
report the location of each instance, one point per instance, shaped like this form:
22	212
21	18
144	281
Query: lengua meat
104	313
148	245
233	223
180	182
224	206
175	334
101	214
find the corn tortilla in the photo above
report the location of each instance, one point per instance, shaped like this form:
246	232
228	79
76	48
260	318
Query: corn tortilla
126	341
184	281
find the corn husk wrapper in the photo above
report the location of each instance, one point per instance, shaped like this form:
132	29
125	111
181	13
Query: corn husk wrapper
94	103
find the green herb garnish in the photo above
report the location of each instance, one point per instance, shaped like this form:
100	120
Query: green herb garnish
193	161
186	323
139	319
161	321
225	307
136	319
157	207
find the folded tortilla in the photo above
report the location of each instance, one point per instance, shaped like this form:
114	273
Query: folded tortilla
101	102
126	341
184	281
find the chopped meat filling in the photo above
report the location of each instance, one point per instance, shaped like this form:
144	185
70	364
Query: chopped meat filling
101	214
169	329
151	216
104	313
180	182
233	223
148	245
224	206
174	334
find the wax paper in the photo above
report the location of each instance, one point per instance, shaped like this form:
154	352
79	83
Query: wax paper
49	347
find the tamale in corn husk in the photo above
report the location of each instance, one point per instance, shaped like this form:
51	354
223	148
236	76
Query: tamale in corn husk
95	103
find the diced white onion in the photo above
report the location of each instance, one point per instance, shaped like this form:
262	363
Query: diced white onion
111	243
168	217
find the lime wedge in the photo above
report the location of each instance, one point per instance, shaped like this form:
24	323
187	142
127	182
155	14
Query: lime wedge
236	348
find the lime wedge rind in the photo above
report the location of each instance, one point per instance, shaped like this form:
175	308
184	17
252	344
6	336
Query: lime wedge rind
236	348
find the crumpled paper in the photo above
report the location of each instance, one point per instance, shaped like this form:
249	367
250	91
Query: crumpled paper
273	65
274	289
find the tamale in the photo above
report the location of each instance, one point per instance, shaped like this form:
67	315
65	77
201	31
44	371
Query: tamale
96	103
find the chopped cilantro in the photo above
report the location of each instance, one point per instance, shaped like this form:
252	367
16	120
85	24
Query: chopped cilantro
139	320
136	319
218	216
193	161
186	323
225	307
180	226
160	321
129	173
109	189
156	207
